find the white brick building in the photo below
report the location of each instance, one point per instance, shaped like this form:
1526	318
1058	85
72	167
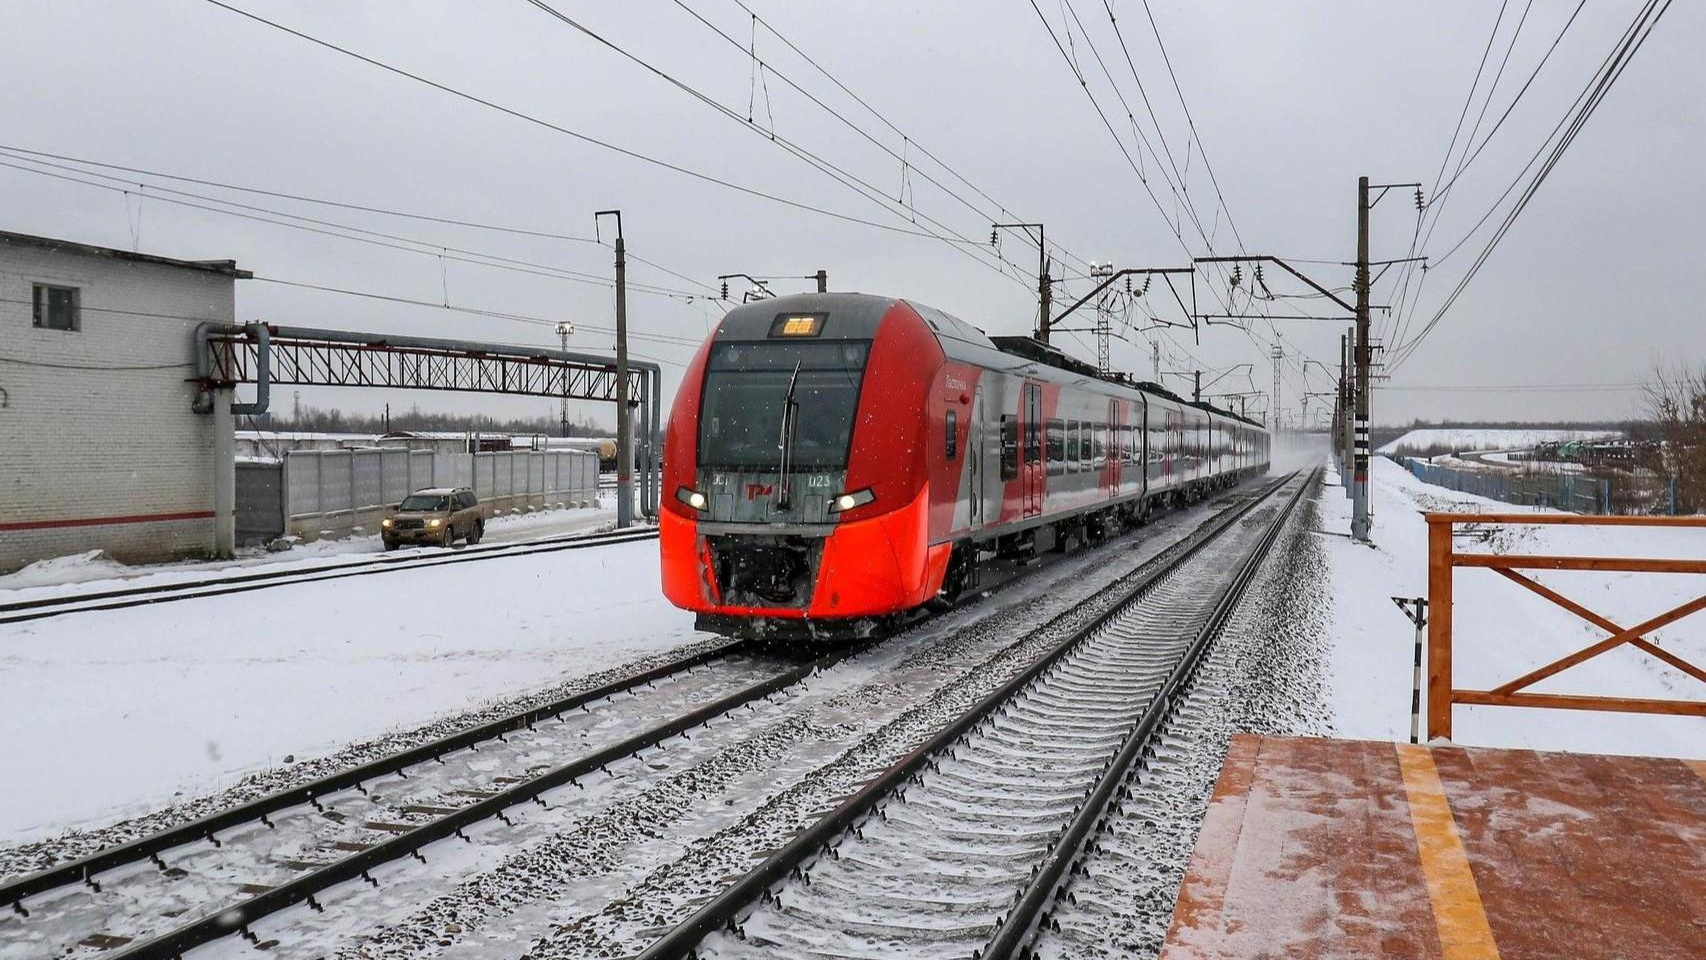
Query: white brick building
99	448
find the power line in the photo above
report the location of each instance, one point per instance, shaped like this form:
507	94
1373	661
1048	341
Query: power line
1522	388
363	208
1514	101
1438	207
1006	214
557	128
474	311
964	244
1612	68
1181	187
1202	149
845	121
332	228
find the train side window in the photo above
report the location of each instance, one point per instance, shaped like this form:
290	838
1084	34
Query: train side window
1009	447
1072	431
1056	444
1100	442
953	433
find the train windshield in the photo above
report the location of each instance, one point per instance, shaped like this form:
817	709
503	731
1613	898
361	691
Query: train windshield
746	383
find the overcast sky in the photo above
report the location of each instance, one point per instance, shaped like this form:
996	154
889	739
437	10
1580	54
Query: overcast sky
1292	101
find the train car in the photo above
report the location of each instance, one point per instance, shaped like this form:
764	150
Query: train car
836	461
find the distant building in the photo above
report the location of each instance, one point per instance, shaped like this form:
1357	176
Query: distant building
99	448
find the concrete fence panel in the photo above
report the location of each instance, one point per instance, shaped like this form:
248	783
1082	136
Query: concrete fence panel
333	493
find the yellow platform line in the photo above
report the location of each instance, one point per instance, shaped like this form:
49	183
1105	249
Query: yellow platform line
1462	920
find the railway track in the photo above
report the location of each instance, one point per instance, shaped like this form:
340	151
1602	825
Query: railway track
19	611
165	894
1000	802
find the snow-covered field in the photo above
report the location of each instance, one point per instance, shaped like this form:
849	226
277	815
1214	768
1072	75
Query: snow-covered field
1476	438
113	713
1502	631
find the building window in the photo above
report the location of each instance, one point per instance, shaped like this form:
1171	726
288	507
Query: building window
56	307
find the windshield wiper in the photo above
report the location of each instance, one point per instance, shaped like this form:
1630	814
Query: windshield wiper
790	416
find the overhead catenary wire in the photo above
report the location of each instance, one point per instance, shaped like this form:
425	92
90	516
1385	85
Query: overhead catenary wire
1179	190
907	143
963	244
566	131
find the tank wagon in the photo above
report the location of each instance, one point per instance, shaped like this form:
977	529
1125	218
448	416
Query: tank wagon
834	462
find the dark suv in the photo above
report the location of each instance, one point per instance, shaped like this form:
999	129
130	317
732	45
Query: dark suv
438	516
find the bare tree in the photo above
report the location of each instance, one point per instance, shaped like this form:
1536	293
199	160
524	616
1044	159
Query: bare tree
1676	401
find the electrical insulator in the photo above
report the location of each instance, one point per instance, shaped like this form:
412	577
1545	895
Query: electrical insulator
1418	198
1258	273
725	289
1128	284
1237	277
993	236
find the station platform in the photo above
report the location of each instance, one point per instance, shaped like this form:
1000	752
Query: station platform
1318	848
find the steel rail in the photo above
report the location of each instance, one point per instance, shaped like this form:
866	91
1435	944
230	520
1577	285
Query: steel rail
1016	929
24	610
237	917
84	869
722	909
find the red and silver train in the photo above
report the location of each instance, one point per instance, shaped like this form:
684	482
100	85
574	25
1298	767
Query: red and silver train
835	460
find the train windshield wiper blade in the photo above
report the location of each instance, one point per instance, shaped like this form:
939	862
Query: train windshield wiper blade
785	444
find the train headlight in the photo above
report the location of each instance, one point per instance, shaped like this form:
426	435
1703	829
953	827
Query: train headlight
692	498
848	501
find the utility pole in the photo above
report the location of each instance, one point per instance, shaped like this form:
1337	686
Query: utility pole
1278	356
1360	520
1044	295
1155	358
1196	387
624	422
1344	422
563	330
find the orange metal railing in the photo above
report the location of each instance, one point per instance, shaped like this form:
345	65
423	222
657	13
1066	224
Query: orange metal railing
1443	560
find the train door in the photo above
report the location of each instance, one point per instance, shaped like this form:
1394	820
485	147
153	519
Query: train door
974	457
1112	446
1031	466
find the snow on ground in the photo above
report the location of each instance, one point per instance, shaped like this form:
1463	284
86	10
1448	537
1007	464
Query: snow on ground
114	713
1502	631
94	571
1479	438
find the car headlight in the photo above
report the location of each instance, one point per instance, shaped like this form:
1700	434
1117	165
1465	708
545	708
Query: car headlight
434	523
692	498
386	523
848	501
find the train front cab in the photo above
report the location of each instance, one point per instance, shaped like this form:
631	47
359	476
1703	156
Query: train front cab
794	448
